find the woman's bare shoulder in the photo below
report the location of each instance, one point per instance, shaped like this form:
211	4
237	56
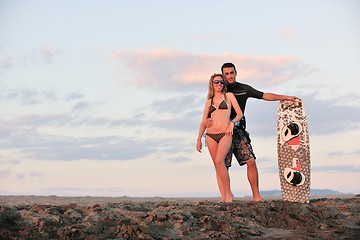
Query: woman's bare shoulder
208	102
229	94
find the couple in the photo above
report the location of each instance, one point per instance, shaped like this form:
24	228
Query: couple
225	127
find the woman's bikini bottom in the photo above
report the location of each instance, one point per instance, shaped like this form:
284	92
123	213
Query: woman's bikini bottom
216	136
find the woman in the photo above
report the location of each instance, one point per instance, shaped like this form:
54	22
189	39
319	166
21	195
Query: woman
219	135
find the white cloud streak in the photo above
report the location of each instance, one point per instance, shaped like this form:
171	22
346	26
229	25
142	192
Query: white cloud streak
166	69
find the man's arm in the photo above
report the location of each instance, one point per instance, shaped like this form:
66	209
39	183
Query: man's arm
276	97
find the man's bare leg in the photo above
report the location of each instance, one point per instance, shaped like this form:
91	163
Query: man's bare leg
253	178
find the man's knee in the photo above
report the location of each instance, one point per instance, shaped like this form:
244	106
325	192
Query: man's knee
251	163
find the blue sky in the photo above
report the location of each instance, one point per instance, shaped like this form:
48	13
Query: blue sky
105	98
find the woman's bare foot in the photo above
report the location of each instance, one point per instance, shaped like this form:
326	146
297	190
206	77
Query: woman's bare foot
258	199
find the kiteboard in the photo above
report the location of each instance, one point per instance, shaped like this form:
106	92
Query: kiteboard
293	151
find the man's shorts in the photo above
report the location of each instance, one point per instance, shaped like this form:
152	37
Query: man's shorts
240	147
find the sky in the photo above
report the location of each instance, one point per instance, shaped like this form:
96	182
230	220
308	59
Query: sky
105	98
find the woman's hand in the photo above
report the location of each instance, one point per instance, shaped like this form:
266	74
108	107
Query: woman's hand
198	145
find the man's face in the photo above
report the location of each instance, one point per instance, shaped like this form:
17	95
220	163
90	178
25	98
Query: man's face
230	74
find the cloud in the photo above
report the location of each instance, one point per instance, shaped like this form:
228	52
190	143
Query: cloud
27	175
287	32
41	146
317	169
184	123
166	69
101	148
22	135
4	173
28	121
338	153
6	62
180	113
337	168
74	96
85	105
324	116
20	176
74	191
177	115
179	104
27	96
46	53
35	174
9	162
49	52
24	122
179	159
81	105
184	113
30	97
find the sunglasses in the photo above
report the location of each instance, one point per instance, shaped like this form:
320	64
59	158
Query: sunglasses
219	81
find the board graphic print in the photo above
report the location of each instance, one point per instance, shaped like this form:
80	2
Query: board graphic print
293	152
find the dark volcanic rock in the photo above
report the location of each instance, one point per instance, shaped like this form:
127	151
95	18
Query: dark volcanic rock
320	219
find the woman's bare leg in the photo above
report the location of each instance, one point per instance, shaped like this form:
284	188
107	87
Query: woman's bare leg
223	149
212	147
218	152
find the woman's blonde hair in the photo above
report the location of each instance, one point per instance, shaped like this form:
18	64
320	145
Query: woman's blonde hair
211	85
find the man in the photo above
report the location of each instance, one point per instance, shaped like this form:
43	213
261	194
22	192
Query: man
241	146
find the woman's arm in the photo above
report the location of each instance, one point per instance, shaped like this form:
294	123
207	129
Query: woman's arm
202	126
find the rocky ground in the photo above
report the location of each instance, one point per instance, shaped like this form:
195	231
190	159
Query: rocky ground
323	218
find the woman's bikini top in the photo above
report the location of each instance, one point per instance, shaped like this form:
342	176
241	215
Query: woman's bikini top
212	108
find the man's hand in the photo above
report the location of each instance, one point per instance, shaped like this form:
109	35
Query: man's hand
293	98
209	122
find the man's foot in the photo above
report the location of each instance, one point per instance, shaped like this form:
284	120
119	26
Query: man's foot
230	198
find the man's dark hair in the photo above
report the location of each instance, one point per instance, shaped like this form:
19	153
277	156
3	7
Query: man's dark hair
227	65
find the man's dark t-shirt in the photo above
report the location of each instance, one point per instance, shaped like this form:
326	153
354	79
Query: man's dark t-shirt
242	92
